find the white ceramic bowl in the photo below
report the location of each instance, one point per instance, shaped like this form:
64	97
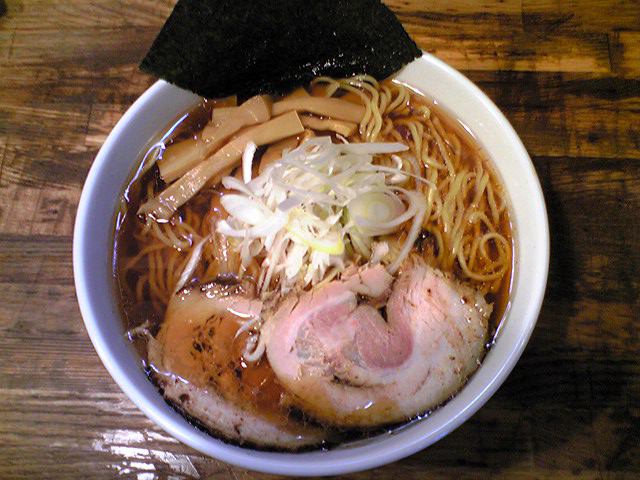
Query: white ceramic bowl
92	250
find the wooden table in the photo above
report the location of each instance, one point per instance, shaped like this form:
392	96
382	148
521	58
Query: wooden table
567	75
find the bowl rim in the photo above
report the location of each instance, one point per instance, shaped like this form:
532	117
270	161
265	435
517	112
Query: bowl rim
316	462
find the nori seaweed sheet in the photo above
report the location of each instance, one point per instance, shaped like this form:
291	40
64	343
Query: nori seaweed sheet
217	48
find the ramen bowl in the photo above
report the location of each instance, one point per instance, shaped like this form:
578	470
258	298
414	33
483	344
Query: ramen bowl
98	300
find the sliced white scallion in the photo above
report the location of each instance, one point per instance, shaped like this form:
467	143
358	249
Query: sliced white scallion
300	213
192	263
398	178
246	326
247	161
373	148
294	260
254	348
232	183
420	204
246	209
378	212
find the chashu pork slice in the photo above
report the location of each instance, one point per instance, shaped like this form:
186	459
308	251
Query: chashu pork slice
196	361
347	365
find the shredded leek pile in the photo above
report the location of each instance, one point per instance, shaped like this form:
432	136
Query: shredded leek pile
318	209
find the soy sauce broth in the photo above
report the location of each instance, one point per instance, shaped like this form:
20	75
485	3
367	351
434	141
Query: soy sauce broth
255	385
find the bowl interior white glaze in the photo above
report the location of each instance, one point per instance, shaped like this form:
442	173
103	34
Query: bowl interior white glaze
92	252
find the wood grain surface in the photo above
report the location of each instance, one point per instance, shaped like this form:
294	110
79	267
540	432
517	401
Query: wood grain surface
567	75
